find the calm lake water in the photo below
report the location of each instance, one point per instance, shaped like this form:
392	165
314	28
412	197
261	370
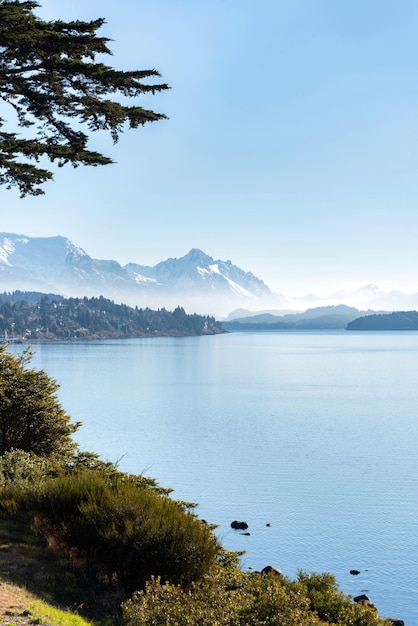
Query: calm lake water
313	433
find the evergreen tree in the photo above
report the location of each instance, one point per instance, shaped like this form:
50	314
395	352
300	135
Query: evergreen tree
50	77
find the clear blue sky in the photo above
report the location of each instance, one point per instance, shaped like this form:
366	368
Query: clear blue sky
291	148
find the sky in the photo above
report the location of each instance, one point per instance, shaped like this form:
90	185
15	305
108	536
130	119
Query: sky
291	146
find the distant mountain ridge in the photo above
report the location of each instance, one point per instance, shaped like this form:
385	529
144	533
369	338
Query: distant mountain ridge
195	281
318	318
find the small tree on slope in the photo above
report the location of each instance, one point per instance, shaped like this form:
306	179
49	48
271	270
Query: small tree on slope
31	417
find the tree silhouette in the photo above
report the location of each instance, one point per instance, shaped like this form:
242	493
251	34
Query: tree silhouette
56	88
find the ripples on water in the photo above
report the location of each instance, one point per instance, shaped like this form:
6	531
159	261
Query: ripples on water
312	433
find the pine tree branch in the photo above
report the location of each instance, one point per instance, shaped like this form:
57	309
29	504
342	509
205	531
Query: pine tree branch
48	75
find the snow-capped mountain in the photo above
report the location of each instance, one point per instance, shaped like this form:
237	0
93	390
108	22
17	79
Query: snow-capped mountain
367	297
55	264
199	272
195	281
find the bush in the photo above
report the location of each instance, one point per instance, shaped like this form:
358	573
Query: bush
31	417
326	599
23	469
226	596
123	532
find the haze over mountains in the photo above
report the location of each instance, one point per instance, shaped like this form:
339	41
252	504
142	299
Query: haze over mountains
196	281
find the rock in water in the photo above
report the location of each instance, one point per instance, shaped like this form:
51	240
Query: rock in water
239	525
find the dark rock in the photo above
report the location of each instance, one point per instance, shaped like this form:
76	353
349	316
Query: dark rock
270	569
247	534
354	572
363	599
395	621
239	525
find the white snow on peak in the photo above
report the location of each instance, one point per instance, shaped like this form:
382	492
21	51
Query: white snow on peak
139	278
214	269
210	271
238	289
8	247
5	251
203	271
75	249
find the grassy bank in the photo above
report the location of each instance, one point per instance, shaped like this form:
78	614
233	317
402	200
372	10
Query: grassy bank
38	587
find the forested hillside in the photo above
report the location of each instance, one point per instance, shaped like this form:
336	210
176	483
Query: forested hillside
398	320
31	316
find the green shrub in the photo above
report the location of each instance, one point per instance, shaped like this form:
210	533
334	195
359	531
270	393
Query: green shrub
123	531
31	417
226	596
325	598
214	600
23	469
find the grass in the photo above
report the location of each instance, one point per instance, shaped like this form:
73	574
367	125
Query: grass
42	613
38	586
24	608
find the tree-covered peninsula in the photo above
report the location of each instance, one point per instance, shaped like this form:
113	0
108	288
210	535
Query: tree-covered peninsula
398	320
33	317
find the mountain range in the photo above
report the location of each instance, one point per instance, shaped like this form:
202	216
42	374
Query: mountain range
195	281
319	318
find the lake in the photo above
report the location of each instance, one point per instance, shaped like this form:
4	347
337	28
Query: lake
309	437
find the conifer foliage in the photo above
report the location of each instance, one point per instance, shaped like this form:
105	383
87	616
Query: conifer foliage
52	81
